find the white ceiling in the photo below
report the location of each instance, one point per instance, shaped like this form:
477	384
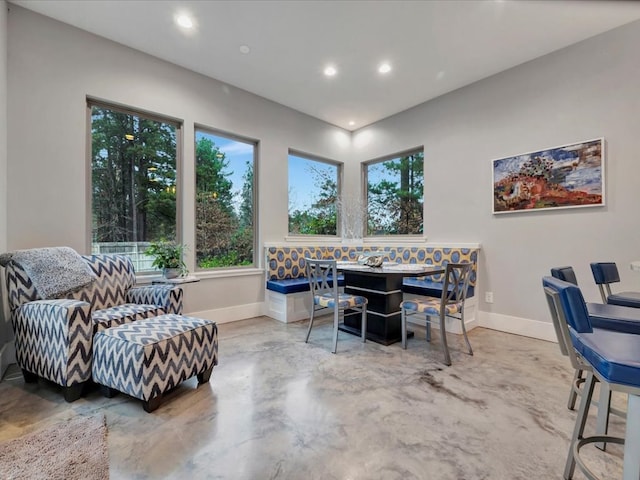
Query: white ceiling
434	46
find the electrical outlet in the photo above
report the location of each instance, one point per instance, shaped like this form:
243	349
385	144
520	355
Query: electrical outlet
488	297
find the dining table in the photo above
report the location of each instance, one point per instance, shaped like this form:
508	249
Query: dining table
382	287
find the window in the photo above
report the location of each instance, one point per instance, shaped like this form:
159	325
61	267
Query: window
395	194
313	194
225	200
133	181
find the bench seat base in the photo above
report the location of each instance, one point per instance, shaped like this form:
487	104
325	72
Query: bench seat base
294	307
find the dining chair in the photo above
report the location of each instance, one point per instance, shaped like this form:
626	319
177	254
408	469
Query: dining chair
606	273
450	304
323	283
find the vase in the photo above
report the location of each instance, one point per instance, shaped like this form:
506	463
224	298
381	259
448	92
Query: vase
171	272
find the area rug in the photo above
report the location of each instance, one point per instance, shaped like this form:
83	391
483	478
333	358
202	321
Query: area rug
76	449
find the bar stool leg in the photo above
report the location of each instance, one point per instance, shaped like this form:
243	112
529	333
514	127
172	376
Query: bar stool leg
604	406
631	464
581	420
403	326
577	377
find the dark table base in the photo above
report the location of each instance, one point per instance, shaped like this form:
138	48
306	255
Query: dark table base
381	328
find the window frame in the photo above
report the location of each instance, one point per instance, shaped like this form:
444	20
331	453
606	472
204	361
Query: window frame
365	193
179	172
197	127
339	182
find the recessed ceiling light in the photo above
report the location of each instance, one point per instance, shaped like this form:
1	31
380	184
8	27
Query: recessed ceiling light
184	21
384	68
352	123
330	71
244	49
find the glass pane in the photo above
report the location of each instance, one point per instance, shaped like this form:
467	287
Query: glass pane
395	196
313	191
133	177
224	201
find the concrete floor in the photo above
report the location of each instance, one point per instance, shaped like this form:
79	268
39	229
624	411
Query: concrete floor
277	408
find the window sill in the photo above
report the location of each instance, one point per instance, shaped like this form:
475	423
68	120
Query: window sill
201	275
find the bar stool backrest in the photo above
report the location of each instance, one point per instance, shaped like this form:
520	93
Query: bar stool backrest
565	273
604	274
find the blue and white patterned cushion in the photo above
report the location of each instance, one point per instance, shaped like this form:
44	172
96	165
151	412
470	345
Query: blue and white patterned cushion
288	262
121	314
344	300
430	306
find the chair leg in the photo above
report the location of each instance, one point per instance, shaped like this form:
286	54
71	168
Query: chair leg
336	321
604	406
74	392
29	377
443	336
581	420
428	328
363	323
403	327
313	311
464	332
577	379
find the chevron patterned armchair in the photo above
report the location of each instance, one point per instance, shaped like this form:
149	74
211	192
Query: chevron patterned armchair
53	337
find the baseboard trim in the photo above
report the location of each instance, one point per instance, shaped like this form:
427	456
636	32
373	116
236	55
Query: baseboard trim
231	314
7	356
494	321
517	325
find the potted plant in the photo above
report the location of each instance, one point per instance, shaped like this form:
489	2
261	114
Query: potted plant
168	257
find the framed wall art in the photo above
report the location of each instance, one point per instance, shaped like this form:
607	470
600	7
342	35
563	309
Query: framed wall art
569	176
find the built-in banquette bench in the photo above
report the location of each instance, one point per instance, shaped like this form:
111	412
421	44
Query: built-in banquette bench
286	296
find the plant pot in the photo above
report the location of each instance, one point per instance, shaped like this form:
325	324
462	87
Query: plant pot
171	272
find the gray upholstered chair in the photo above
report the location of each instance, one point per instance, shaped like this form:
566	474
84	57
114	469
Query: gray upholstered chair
450	304
54	334
325	293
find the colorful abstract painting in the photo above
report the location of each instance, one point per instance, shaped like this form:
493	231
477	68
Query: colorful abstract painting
562	177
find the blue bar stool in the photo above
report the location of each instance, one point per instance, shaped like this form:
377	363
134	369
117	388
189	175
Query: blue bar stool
606	273
614	358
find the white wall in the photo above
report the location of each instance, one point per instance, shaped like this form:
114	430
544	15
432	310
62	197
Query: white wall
53	67
583	92
6	351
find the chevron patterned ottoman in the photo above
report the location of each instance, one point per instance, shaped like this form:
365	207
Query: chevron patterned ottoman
149	357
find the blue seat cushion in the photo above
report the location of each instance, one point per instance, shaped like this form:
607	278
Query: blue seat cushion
626	299
614	317
294	285
616	356
426	287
